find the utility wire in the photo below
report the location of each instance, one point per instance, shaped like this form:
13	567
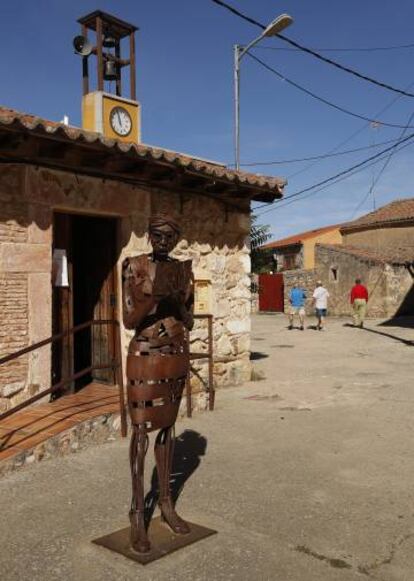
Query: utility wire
344	172
321	156
322	99
345	141
355	133
366	49
314	53
282	204
381	171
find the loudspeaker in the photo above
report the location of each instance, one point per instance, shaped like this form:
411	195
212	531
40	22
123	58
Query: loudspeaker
82	46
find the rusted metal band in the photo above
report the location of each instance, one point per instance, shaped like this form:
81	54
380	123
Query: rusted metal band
155	418
147	392
156	367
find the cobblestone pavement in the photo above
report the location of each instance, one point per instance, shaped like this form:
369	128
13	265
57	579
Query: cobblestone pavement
306	474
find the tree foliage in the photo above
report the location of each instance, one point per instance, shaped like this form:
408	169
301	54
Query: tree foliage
259	235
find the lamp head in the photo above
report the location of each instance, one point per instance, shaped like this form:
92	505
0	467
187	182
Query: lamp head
278	24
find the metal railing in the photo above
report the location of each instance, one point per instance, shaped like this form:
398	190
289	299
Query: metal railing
209	356
115	365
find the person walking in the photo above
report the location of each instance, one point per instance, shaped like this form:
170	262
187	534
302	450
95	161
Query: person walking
320	300
297	297
359	300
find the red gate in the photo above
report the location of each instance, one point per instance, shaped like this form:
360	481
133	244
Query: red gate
271	292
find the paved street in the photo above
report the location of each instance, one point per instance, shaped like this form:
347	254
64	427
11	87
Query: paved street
306	474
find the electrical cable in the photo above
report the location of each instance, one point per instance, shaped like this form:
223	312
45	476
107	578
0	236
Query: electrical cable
322	99
361	49
342	173
314	53
344	142
321	156
381	171
281	204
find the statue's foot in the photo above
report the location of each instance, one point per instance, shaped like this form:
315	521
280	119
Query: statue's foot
169	515
139	538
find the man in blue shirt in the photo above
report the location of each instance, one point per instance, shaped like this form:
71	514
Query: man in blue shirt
297	297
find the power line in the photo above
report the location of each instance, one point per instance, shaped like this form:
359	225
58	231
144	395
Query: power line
321	156
355	133
314	53
322	99
381	171
355	49
342	173
281	204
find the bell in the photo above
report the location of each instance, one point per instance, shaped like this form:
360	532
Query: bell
110	72
109	41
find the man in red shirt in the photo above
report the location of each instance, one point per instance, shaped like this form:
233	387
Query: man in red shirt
359	299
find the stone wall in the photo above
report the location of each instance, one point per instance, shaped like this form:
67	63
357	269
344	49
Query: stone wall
400	291
347	268
213	238
306	279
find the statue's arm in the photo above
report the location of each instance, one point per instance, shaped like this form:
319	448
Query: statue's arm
137	297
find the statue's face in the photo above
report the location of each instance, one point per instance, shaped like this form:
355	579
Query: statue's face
163	239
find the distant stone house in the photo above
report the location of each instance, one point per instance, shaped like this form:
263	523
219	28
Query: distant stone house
379	249
295	257
77	200
298	251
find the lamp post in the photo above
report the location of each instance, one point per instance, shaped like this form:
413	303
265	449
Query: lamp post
276	26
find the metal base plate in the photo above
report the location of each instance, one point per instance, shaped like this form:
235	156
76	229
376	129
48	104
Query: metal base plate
163	541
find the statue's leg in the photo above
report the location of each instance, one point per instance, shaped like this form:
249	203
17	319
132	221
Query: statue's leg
164	450
137	451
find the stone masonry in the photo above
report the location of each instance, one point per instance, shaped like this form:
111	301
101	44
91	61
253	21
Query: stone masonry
306	279
214	239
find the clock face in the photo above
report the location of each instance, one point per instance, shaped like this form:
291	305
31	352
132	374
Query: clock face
121	121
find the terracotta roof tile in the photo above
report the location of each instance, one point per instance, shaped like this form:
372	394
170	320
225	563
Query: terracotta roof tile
299	238
396	211
398	256
31	123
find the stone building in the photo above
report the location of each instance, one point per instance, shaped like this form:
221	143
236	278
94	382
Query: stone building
379	249
295	259
79	202
298	251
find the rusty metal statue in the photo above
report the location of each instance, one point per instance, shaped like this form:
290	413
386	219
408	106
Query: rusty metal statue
158	295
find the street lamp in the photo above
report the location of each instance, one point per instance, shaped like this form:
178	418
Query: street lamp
276	26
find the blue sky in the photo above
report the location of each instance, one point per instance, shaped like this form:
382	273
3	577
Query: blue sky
185	85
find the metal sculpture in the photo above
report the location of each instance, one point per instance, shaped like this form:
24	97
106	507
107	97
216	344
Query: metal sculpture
158	296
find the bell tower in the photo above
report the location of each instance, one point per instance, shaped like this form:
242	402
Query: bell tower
105	109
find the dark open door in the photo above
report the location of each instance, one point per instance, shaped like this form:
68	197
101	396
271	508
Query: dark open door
92	252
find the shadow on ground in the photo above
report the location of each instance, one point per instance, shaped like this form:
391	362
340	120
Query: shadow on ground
408	342
255	355
404	322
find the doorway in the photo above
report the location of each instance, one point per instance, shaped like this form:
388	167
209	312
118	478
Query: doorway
84	290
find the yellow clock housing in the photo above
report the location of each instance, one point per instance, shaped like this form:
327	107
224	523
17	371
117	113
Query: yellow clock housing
96	115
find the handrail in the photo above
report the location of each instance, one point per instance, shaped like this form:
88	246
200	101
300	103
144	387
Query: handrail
116	365
209	355
56	337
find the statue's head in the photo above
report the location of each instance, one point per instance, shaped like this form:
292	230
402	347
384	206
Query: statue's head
164	232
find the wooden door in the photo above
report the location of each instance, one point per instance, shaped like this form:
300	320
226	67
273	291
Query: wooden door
103	336
62	307
271	292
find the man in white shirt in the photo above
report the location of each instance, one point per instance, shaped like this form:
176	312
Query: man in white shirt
320	300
